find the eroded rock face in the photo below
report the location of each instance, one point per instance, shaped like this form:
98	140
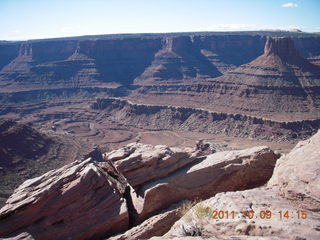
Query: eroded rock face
141	163
78	201
279	84
154	226
258	200
159	117
203	178
281	46
296	174
291	197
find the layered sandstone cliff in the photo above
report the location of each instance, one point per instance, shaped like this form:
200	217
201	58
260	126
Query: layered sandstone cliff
279	84
122	59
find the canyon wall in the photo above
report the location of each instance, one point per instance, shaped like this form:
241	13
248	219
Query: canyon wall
122	59
153	117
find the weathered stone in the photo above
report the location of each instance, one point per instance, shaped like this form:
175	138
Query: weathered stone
21	236
297	174
257	200
219	172
77	201
217	238
153	226
143	163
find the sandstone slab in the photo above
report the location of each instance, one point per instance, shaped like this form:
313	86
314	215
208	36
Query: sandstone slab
296	174
77	201
154	226
141	163
257	200
203	178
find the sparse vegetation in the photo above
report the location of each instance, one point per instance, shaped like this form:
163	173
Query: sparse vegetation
196	218
187	205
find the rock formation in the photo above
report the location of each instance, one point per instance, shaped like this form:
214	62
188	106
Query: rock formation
279	66
178	60
122	59
143	163
78	201
41	78
62	201
88	200
160	117
219	172
246	85
156	225
279	85
297	174
292	199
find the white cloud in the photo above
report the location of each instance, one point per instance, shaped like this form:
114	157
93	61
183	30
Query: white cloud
249	27
289	5
232	27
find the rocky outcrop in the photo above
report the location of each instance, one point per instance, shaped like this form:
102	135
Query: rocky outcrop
300	224
156	225
89	200
280	65
178	60
219	172
280	74
296	174
141	163
78	201
160	117
288	208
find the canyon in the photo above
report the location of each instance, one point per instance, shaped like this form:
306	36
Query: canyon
270	79
138	136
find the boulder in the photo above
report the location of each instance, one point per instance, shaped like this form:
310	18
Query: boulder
206	176
296	174
77	201
141	163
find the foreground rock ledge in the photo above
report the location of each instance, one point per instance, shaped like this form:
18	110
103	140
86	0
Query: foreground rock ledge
297	174
257	200
206	176
293	188
78	201
88	200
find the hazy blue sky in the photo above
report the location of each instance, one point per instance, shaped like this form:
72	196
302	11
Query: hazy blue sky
28	19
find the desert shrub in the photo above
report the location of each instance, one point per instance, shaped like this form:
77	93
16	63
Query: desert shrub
194	221
187	205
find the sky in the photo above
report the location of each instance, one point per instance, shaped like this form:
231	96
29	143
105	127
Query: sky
34	19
